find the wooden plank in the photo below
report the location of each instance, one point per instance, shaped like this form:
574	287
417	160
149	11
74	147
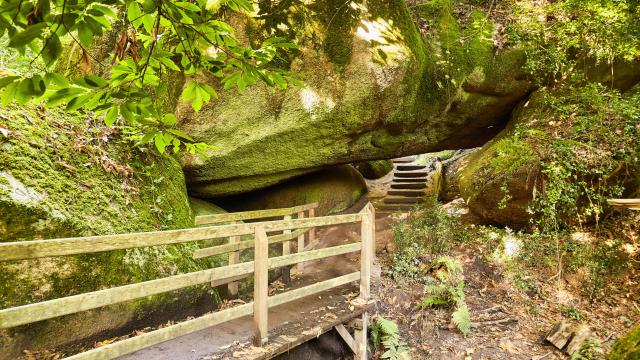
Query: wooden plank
155	337
234	258
247	244
365	256
633	204
72	304
313	255
296	294
286	250
251	215
91	244
261	287
133	344
348	339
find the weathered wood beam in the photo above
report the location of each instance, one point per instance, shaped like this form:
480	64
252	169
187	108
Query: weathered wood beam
250	215
261	287
246	244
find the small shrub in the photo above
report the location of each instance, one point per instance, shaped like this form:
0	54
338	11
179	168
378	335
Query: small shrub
386	333
446	287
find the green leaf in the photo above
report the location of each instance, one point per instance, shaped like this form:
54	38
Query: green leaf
63	95
21	39
4	81
159	142
180	134
462	319
9	93
134	14
111	116
169	120
169	63
148	21
84	34
52	50
105	10
188	6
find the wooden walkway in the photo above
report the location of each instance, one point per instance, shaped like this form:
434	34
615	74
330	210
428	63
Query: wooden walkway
267	326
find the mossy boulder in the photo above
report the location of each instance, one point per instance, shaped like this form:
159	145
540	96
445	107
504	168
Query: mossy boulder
498	181
334	189
375	88
63	176
568	148
374	169
627	347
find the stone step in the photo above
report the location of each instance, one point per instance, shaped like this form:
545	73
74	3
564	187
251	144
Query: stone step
405	167
402	200
412	193
408	185
410	174
415	180
406	159
384	208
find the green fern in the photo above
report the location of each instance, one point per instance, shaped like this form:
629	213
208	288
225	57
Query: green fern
386	333
462	318
447	287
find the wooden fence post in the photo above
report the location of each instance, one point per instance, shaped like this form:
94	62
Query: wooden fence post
312	231
366	255
286	250
261	286
301	236
234	258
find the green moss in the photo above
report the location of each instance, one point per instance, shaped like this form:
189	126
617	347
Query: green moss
67	175
627	347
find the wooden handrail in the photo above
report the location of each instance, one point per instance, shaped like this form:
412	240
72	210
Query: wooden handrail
30	313
251	215
21	250
26	314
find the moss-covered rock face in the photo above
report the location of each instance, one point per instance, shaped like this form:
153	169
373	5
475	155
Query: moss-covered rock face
627	347
375	88
334	189
63	176
374	169
558	161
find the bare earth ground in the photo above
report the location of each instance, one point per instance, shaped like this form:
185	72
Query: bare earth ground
509	323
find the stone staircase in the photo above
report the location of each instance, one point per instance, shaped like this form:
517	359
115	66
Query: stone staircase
409	186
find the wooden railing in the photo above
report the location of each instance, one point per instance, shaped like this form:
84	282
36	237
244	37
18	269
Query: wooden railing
259	267
235	245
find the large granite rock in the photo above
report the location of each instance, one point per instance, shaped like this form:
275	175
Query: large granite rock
375	88
334	189
63	176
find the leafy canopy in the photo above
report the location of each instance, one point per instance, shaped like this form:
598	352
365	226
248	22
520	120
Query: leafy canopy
154	38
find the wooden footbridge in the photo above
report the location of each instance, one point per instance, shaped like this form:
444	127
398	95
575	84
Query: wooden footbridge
269	320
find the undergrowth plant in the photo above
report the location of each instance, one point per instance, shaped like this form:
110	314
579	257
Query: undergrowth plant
385	333
427	232
445	287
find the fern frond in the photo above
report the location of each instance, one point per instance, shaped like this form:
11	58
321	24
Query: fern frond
462	319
